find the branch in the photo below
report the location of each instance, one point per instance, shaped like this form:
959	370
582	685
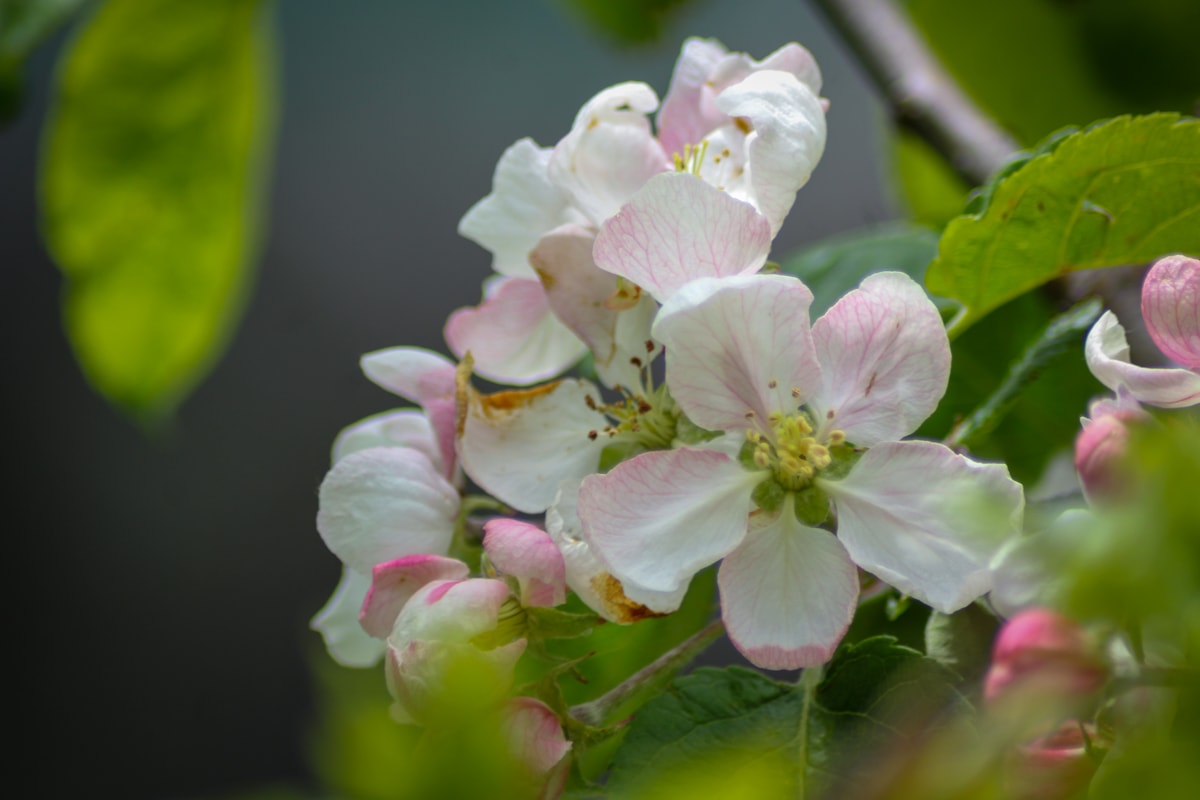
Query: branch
922	95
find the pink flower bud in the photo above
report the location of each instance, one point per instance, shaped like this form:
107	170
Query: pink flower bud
1043	660
1171	308
536	737
1099	449
1053	767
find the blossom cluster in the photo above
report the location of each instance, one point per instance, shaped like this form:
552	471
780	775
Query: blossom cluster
724	425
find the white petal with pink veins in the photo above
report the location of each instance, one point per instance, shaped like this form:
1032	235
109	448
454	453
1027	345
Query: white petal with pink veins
788	592
926	520
610	151
787	141
885	360
1107	354
519	445
337	622
513	335
523	205
658	518
393	584
688	112
577	291
677	229
1171	308
404	428
384	503
527	553
738	347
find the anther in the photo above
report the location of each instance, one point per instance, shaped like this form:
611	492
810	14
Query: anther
593	435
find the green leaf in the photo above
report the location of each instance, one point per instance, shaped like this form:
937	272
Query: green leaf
553	623
962	641
873	694
152	170
1124	192
835	266
24	24
626	21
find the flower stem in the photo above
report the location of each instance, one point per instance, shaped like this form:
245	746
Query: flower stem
809	680
596	712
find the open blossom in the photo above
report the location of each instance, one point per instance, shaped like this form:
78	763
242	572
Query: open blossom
751	132
1171	311
817	413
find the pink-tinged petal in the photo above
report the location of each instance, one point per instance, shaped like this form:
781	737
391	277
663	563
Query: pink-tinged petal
791	58
519	445
535	736
394	582
385	503
688	111
527	553
427	677
513	336
788	592
677	229
1171	308
590	579
610	151
927	520
450	611
787	140
1107	354
658	518
427	379
337	622
739	349
523	205
578	292
405	428
885	360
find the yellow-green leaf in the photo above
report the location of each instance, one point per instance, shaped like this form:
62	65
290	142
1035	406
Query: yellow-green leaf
152	167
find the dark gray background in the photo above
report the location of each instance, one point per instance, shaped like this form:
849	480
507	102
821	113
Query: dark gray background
160	590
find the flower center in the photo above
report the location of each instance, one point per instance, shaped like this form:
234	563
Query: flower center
791	452
692	159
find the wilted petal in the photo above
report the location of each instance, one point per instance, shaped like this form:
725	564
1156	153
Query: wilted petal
513	336
658	518
739	347
527	553
519	445
1107	354
688	111
577	291
787	141
1171	308
885	360
610	151
926	520
384	503
677	229
404	428
393	583
337	622
788	592
590	579
523	205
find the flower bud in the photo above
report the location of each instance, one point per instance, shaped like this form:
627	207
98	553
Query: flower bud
1171	308
1055	767
535	736
1099	449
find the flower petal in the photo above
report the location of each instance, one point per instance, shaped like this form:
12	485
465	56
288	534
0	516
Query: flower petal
610	151
788	592
527	553
787	141
1171	308
535	735
926	520
737	348
519	445
450	611
885	360
393	583
688	112
678	228
577	291
1107	354
658	518
384	503
348	644
513	336
523	205
404	428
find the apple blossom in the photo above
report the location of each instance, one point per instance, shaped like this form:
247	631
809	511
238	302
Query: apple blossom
820	411
1042	657
1171	311
1102	442
535	736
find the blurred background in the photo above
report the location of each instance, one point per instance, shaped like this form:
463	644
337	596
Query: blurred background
164	581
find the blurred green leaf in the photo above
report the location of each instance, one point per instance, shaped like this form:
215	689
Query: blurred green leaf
152	172
24	24
832	267
627	21
962	641
1124	192
929	187
872	695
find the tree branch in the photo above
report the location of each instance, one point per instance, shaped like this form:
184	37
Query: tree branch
922	95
